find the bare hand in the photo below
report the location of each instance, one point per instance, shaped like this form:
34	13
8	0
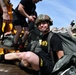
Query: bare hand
32	18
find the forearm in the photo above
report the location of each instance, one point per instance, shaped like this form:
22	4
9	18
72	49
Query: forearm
11	56
3	6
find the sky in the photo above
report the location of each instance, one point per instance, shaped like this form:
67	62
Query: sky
62	12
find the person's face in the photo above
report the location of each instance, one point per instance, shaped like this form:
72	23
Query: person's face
35	1
43	26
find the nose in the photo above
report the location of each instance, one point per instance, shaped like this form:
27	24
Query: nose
41	24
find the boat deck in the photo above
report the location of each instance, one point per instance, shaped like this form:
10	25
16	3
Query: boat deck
8	69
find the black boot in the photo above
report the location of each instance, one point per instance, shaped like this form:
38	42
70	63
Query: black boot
16	46
21	47
2	58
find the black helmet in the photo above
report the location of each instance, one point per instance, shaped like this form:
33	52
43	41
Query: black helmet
42	17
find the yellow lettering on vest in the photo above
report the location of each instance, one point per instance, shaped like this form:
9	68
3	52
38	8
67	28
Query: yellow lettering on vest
44	43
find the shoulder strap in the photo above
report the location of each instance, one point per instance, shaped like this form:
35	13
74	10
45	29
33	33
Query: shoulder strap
48	39
49	48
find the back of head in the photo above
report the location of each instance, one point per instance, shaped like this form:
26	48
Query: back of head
74	30
74	27
43	17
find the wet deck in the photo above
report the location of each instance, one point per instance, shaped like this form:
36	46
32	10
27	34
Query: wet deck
8	69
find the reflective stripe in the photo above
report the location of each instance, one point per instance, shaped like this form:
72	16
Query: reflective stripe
41	62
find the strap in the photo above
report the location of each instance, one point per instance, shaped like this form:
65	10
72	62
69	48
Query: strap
34	45
49	48
48	39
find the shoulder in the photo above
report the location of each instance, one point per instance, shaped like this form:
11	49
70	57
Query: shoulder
23	2
55	37
26	1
